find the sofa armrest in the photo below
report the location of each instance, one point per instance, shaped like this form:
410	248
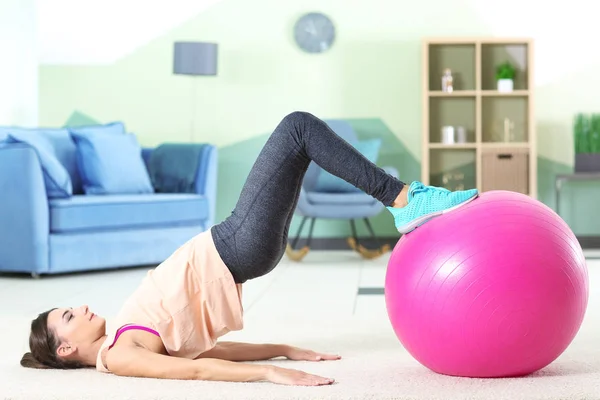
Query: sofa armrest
206	176
206	180
24	215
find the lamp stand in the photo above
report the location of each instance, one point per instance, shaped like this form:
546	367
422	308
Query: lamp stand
195	59
193	112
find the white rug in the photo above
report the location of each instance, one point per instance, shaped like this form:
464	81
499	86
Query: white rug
374	366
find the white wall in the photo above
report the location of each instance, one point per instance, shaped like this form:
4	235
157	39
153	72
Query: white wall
80	32
566	66
18	63
564	41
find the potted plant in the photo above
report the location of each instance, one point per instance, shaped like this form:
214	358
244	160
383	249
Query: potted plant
587	142
505	75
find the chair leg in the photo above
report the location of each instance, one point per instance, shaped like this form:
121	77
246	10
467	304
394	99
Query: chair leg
353	240
354	232
372	232
310	232
362	250
295	241
298	255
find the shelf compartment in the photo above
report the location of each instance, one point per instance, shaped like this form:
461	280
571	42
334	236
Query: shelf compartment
510	145
494	54
505	169
452	146
459	58
453	169
451	111
495	93
456	93
505	120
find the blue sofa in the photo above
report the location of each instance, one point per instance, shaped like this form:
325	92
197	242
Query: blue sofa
45	233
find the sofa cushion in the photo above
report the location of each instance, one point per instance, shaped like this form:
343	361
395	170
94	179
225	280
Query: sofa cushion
56	178
64	146
66	150
111	164
110	128
88	213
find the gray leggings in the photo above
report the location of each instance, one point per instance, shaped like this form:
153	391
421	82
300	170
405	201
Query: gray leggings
252	240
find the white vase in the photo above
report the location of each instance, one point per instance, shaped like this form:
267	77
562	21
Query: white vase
505	85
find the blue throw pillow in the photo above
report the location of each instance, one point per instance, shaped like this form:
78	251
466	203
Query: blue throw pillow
327	182
56	178
111	164
109	129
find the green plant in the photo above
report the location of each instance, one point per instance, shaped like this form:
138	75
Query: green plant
586	130
505	71
595	134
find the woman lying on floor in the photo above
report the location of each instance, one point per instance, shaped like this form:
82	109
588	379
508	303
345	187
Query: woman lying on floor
169	326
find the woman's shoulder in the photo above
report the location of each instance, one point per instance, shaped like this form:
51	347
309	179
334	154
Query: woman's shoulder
101	358
133	341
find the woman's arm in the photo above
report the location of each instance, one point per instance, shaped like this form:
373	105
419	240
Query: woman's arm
140	362
234	351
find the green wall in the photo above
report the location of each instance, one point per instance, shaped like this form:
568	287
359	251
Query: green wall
371	77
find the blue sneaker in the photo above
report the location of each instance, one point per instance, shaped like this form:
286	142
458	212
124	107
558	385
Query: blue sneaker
426	202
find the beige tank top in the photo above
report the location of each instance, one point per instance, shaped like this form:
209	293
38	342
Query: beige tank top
190	300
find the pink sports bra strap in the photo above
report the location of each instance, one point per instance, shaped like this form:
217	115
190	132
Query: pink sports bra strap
126	328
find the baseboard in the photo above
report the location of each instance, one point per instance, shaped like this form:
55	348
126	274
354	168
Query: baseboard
586	242
342	243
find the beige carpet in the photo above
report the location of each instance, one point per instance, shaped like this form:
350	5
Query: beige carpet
374	366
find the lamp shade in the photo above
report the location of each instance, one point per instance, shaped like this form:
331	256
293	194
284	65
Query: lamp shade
195	58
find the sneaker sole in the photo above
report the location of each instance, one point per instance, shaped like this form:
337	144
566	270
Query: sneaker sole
424	218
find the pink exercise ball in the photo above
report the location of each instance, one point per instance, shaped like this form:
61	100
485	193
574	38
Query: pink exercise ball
496	288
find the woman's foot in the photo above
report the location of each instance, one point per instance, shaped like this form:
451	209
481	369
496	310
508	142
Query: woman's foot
425	202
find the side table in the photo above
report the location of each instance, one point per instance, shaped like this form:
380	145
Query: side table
580	176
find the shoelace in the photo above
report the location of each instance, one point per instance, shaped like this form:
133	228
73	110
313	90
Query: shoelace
420	188
417	188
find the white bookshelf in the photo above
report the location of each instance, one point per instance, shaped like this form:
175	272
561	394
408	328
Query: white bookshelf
490	159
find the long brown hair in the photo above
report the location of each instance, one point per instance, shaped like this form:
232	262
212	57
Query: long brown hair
43	344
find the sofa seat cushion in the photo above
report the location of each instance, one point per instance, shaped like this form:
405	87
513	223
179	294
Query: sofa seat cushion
113	212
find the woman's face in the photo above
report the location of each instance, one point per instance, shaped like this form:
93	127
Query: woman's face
76	328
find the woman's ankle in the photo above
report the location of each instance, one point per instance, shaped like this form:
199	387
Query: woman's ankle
402	198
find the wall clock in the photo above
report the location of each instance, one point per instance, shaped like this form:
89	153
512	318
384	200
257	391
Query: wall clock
314	32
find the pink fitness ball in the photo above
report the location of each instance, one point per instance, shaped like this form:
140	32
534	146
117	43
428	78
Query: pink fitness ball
496	288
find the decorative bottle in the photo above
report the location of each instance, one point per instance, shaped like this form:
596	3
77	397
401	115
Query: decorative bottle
447	81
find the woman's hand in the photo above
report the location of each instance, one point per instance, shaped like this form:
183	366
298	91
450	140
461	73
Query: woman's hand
297	354
285	376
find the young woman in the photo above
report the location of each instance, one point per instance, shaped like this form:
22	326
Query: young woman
169	326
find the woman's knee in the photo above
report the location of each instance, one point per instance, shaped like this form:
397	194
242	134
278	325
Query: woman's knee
299	118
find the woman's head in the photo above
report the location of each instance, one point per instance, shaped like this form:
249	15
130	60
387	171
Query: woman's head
64	338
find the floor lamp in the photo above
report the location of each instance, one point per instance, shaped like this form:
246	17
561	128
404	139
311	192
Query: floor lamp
195	59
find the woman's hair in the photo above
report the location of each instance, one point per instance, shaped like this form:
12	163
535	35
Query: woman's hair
43	344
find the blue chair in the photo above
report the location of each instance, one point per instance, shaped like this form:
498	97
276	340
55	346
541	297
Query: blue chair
330	203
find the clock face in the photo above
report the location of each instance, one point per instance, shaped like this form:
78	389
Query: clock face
314	32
